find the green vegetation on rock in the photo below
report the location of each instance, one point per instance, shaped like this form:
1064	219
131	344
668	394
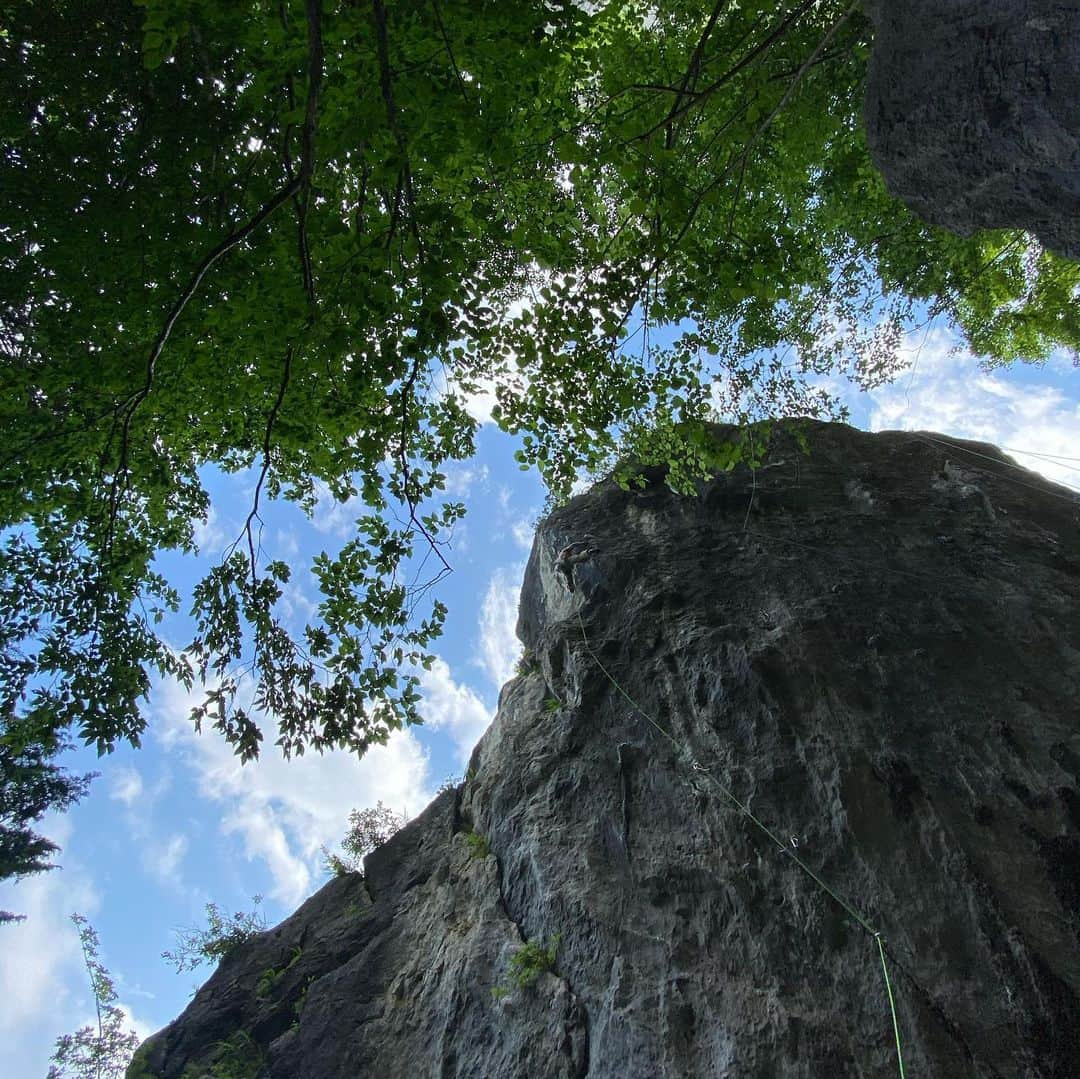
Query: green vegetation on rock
238	1057
478	845
220	937
531	960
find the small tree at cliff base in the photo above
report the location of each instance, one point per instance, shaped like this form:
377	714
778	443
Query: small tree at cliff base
101	1050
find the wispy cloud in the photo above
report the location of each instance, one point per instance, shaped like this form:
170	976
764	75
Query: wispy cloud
287	542
41	954
499	647
298	605
946	391
162	859
282	811
209	534
264	825
126	786
333	517
160	856
461	479
43	980
453	707
523	532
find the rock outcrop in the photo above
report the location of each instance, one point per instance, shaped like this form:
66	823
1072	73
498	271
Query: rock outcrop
973	113
873	649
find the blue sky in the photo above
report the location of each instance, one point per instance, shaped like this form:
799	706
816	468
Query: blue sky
178	823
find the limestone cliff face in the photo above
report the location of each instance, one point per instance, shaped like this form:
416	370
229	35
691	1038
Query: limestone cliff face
874	648
973	113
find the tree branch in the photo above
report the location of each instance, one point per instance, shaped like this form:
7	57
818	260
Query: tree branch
128	408
238	236
386	84
449	50
696	98
743	157
692	70
403	461
271	418
307	153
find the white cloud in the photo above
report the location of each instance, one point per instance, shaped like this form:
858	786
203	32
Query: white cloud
479	402
334	517
286	541
499	646
461	540
163	858
262	827
43	979
453	707
946	391
523	531
209	535
283	811
126	786
298	606
159	856
142	1028
40	953
460	480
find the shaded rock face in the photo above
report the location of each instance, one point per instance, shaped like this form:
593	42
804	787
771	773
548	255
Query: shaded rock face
875	649
973	113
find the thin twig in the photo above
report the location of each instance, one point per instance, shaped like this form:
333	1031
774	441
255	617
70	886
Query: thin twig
692	70
742	158
449	50
699	96
271	418
403	461
238	236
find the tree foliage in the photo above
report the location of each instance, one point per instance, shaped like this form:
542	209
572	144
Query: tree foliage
30	785
291	237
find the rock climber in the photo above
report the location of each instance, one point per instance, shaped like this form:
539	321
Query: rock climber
571	555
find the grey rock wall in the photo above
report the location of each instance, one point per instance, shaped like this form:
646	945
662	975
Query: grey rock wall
876	649
973	113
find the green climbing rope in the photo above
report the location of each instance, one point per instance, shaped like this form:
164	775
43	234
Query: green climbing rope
681	752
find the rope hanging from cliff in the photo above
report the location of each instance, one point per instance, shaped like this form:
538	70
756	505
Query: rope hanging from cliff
682	752
927	440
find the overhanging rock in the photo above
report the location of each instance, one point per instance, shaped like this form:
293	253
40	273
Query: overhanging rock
973	113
